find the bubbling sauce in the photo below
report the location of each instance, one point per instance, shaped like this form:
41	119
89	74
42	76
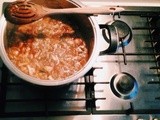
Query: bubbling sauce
48	49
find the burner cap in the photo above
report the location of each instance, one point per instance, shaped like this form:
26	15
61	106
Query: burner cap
124	32
124	86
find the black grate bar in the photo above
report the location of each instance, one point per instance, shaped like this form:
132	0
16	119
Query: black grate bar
101	83
3	88
157	98
156	67
51	100
138	54
145	28
42	113
154	82
141	111
144	13
151	41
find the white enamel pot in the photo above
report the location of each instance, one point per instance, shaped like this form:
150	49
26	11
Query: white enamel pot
89	28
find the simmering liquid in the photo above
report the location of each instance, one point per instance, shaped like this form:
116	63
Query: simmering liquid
49	49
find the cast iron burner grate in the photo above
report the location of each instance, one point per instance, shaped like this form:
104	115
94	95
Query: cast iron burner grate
21	99
33	100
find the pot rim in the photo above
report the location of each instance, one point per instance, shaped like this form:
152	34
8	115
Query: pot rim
69	79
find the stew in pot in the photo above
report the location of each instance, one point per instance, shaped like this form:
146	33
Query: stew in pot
49	49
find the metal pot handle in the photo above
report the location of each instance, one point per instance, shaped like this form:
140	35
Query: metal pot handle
110	35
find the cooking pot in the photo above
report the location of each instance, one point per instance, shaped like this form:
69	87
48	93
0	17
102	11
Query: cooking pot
87	26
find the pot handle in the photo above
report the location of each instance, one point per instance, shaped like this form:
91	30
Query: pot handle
110	34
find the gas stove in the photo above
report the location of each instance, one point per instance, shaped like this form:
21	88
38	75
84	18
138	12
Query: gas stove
123	85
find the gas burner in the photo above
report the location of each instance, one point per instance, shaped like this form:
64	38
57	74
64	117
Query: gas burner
117	33
124	32
110	35
124	86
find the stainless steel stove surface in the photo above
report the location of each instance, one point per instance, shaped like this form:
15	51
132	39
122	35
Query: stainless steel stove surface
123	85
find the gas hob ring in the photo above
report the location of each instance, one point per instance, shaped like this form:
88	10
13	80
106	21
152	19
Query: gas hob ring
124	85
124	32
